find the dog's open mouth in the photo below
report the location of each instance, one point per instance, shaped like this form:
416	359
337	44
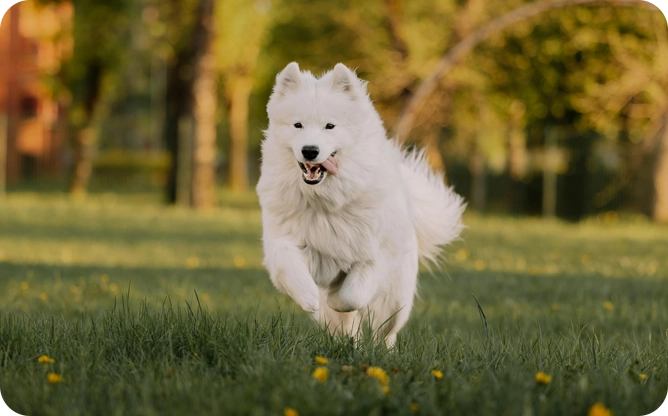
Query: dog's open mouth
314	173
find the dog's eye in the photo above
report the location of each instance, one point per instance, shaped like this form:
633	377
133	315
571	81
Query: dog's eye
298	125
329	126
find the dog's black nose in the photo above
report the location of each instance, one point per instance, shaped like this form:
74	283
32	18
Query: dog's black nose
310	152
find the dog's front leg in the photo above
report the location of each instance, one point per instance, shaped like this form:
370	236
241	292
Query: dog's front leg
288	269
355	290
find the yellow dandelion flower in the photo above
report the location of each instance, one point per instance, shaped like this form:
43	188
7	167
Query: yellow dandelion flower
54	378
43	296
437	373
25	286
479	265
415	407
599	409
104	278
192	262
289	411
462	254
45	359
543	378
113	288
378	373
386	389
534	270
642	376
239	261
608	305
321	374
321	360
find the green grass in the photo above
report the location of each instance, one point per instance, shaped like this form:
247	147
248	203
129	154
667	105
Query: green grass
154	310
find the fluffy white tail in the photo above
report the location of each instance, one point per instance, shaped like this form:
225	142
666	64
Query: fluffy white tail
437	209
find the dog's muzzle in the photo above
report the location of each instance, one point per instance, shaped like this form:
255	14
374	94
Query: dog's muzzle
314	173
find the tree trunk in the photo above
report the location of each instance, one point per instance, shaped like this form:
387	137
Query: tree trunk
3	154
171	137
204	110
83	160
517	142
239	133
517	158
550	173
9	118
660	177
430	144
184	161
204	125
478	180
177	100
84	134
12	167
190	117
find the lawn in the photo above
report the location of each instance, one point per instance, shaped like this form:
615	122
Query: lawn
152	310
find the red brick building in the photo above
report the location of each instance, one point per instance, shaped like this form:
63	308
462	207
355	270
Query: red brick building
33	42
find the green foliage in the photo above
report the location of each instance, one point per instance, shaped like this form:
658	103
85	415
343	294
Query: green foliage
595	70
203	331
563	66
100	34
240	31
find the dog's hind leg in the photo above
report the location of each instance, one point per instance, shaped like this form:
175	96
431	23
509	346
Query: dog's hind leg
357	289
338	323
389	312
387	317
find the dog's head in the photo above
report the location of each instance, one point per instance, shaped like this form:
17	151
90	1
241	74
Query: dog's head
317	119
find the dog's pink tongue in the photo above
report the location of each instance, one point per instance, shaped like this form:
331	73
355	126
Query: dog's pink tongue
331	164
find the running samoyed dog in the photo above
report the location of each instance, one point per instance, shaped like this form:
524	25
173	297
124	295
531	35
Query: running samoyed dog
346	214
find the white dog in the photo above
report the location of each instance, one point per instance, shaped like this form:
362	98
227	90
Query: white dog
346	214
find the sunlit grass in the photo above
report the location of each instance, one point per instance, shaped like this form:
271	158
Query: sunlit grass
150	309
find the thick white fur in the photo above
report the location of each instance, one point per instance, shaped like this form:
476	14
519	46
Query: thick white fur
347	249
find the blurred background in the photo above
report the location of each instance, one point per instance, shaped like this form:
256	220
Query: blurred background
562	113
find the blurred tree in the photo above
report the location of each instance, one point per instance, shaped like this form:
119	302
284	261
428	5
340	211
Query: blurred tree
660	203
178	20
625	98
242	26
320	33
462	48
584	70
390	43
500	70
190	118
204	109
99	42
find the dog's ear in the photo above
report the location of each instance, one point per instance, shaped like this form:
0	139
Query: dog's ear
288	80
344	80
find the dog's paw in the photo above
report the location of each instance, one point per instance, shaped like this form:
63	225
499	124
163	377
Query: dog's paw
301	288
311	307
309	302
340	303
